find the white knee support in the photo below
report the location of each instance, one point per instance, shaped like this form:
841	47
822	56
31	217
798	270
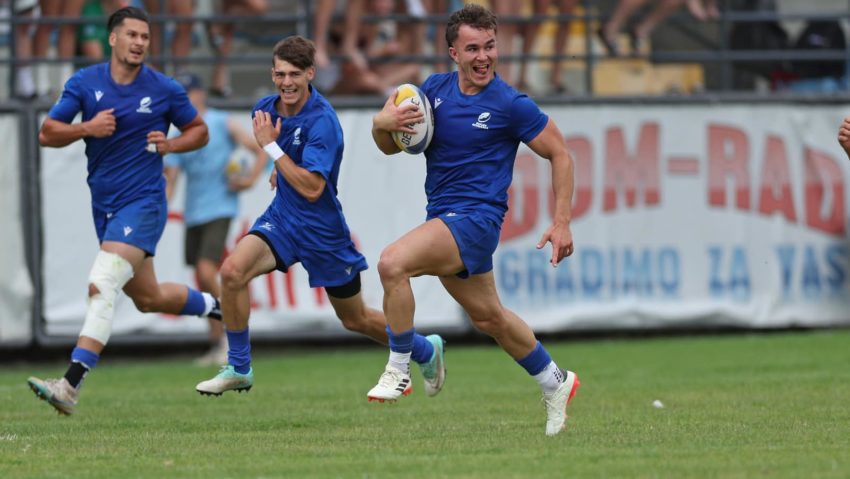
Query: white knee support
109	274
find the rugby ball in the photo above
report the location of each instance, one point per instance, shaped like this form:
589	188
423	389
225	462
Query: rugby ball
417	142
241	162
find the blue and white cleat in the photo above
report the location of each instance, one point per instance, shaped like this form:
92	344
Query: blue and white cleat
57	392
227	379
557	402
434	371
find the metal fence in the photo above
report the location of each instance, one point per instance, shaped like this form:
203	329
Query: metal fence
710	46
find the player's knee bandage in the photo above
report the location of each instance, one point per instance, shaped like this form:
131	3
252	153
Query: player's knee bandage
109	275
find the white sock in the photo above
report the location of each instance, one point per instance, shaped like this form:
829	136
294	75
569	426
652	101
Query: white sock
209	302
25	83
550	378
42	78
400	361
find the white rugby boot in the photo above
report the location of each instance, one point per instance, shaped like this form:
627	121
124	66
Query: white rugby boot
227	379
557	402
392	385
57	392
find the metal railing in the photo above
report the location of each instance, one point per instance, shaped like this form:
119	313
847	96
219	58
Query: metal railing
714	52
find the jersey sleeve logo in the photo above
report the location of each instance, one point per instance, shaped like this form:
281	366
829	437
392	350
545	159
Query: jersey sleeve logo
482	121
145	105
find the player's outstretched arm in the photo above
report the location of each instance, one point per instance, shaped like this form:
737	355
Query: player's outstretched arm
844	136
550	144
56	134
392	118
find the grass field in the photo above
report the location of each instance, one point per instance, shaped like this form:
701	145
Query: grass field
774	405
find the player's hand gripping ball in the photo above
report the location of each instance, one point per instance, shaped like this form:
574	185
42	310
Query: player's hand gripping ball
414	143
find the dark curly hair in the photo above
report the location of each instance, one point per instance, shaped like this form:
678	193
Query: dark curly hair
473	15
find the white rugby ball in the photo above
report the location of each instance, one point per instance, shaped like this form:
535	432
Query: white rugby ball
417	142
241	162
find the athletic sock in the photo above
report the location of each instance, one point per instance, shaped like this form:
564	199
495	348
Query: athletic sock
195	303
239	350
422	350
550	379
209	303
401	348
539	364
82	361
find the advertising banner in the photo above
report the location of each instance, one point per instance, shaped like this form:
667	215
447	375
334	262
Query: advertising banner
683	216
16	289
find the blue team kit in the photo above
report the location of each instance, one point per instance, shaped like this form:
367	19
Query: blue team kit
471	166
315	234
126	179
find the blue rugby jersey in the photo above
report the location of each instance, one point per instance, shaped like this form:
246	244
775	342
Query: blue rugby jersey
120	169
313	139
471	156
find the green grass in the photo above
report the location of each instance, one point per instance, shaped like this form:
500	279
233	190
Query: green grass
775	405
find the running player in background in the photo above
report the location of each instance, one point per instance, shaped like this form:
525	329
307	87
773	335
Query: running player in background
479	122
304	223
126	111
212	198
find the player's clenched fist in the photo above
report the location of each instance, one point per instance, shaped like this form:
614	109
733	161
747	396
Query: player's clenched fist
844	135
158	142
103	124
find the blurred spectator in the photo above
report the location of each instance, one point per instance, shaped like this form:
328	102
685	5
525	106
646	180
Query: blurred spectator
93	37
29	82
703	10
530	30
181	42
24	79
66	43
506	11
221	40
822	75
610	30
381	41
562	35
437	31
327	71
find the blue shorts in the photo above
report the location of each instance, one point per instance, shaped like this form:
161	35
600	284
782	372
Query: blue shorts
477	235
335	267
139	223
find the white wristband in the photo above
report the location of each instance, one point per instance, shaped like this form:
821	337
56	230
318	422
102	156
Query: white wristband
273	150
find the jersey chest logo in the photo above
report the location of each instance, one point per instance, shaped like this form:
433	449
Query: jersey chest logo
482	121
296	136
144	105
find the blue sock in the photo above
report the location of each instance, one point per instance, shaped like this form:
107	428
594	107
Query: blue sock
239	350
85	357
402	342
536	361
422	349
195	304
